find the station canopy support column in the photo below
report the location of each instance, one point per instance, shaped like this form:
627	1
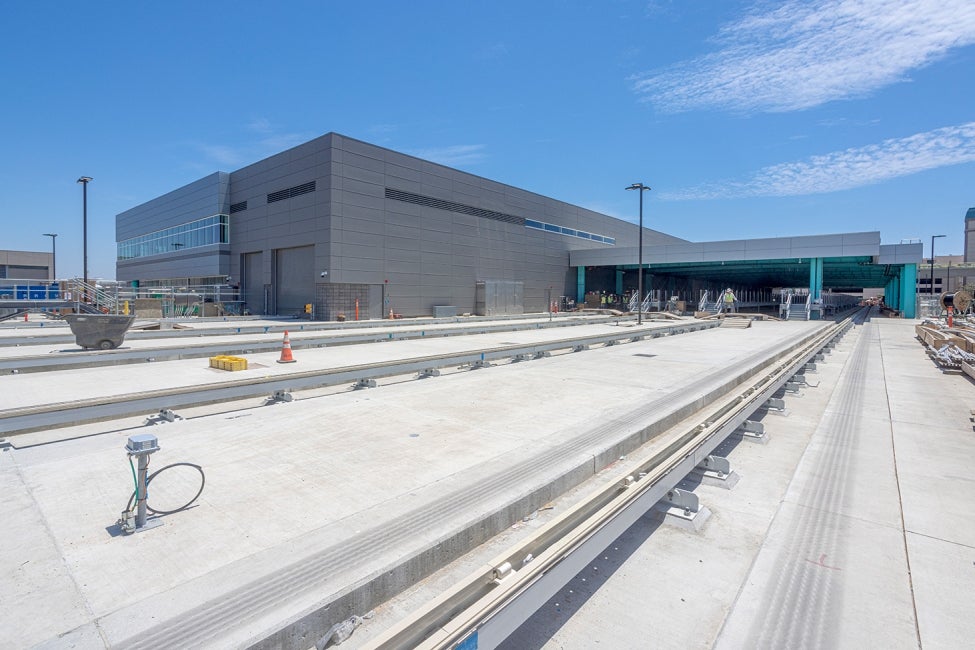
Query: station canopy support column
908	281
892	293
619	281
580	284
816	278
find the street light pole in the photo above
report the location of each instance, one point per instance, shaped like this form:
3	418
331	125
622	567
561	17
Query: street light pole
933	237
84	180
639	282
54	255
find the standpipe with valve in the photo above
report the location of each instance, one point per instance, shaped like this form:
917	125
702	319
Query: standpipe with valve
134	517
141	446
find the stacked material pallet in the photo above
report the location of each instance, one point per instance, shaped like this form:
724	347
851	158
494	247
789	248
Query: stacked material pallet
228	363
949	347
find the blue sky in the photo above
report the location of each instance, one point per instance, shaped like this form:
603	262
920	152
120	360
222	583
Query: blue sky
748	119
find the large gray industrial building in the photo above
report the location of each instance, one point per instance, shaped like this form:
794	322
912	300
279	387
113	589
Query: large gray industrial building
340	224
336	220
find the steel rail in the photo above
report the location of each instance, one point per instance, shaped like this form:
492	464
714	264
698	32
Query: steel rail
89	359
486	607
292	326
32	418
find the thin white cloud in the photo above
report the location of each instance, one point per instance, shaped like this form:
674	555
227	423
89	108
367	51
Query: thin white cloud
223	155
847	169
803	53
270	142
260	125
492	52
381	129
453	156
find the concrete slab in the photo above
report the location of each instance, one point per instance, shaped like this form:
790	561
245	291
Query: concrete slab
810	553
288	485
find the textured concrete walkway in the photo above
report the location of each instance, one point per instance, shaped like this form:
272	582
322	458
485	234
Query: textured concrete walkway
854	527
304	500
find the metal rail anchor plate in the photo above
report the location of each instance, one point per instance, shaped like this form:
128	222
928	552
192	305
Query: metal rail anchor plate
278	397
753	431
428	372
715	471
776	406
364	383
683	509
163	416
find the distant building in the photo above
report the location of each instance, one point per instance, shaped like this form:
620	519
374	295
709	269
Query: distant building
26	265
950	272
970	235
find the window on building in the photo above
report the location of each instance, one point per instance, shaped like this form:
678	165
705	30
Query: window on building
194	234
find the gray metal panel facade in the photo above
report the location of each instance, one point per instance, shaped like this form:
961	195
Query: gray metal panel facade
419	254
203	198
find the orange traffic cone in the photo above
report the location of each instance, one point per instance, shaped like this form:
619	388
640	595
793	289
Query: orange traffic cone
286	350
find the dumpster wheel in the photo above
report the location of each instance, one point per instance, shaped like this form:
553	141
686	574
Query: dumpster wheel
105	344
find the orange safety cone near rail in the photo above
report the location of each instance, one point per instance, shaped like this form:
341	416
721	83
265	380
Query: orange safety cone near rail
286	350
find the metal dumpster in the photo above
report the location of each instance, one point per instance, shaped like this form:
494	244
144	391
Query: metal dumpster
99	331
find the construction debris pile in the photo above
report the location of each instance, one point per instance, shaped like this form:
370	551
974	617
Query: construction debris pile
951	348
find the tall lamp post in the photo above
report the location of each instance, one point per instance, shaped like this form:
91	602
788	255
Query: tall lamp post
639	282
84	180
933	237
54	255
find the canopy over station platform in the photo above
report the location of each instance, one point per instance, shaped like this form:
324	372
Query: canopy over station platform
848	262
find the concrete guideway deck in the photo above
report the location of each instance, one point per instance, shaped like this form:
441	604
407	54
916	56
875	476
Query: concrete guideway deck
43	356
207	387
306	500
495	601
852	527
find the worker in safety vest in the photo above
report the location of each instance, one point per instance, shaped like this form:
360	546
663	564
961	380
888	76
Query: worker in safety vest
729	301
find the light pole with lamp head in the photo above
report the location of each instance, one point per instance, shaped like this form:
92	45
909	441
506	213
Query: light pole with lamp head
933	237
84	180
54	255
639	282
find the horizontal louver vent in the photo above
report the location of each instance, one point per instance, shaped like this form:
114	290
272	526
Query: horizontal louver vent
291	192
238	207
450	206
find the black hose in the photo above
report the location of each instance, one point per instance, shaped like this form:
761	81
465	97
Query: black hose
203	481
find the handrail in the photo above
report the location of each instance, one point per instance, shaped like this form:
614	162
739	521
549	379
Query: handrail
646	301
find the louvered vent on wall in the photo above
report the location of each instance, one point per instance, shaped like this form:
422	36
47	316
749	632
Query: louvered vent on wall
450	206
291	192
238	207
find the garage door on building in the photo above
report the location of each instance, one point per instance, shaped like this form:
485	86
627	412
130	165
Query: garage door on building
294	279
253	282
